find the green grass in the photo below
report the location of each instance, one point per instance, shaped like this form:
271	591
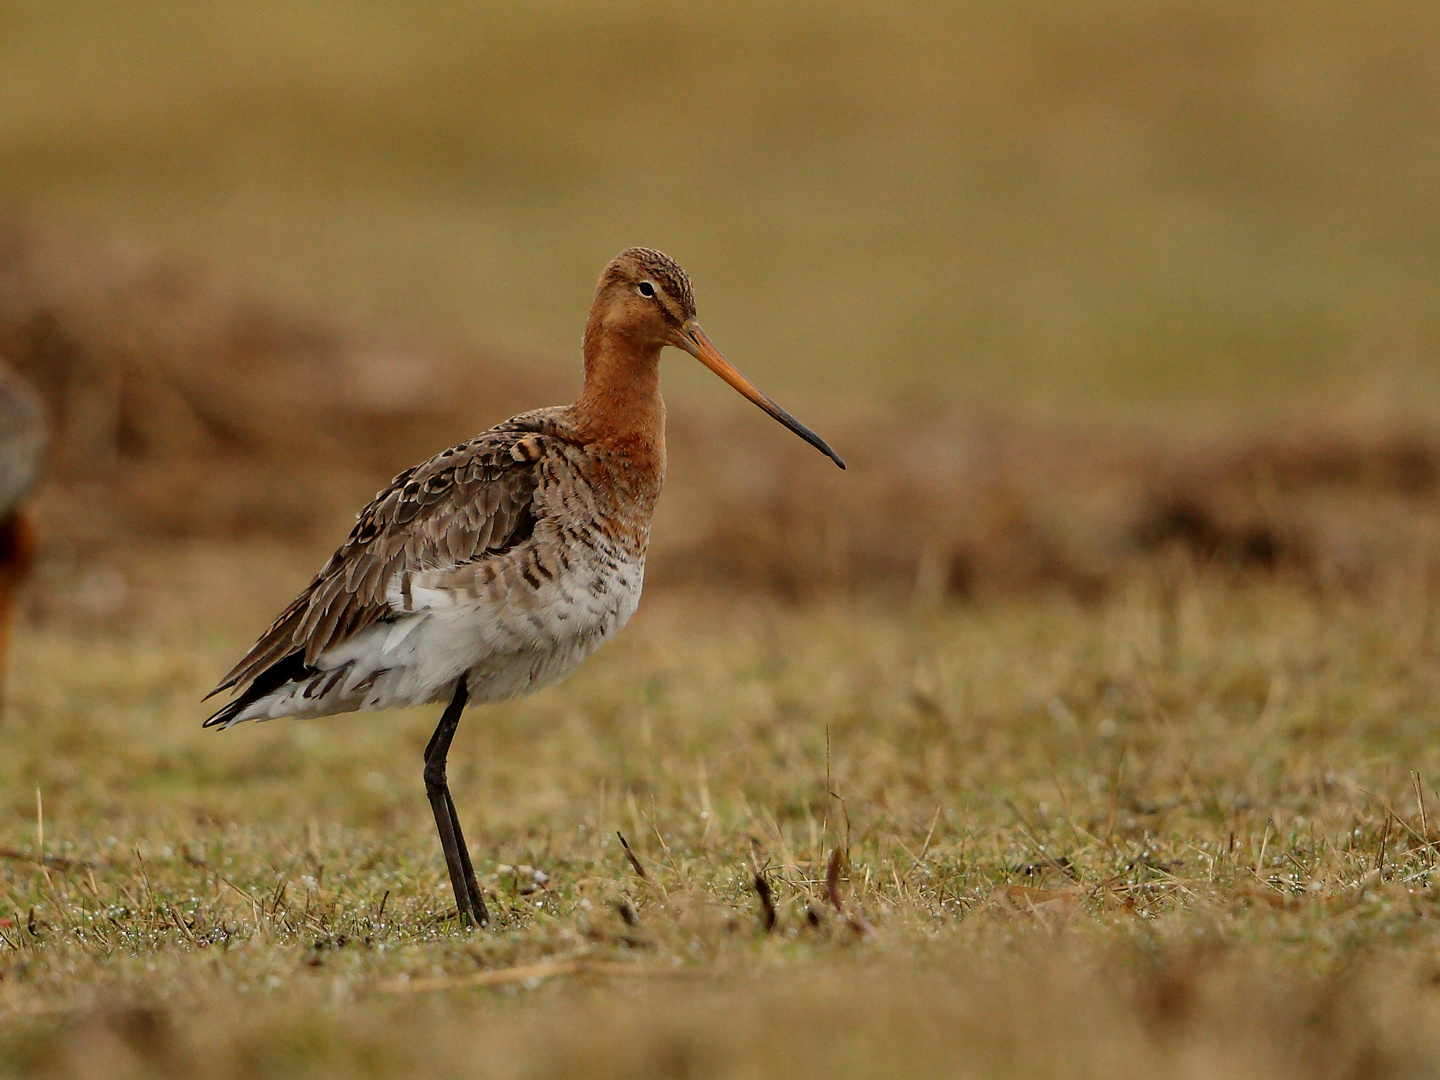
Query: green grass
1215	812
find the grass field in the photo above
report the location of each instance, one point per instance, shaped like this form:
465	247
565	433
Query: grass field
1085	727
1069	850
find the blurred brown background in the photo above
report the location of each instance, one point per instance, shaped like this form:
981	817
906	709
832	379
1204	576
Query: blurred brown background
1122	627
1069	284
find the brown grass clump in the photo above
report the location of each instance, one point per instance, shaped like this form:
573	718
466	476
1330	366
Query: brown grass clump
974	506
187	409
184	407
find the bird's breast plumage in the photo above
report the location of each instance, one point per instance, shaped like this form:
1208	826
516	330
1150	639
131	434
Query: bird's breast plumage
527	618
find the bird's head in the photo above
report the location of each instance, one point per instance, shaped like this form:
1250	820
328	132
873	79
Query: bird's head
645	299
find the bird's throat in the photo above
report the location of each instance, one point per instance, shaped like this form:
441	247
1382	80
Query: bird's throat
621	399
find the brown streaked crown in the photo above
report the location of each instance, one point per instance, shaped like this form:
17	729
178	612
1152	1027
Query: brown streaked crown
638	263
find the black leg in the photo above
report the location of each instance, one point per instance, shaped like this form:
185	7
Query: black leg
468	899
477	898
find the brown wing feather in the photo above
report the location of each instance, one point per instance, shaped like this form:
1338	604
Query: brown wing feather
461	504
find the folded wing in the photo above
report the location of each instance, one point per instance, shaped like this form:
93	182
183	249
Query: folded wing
470	502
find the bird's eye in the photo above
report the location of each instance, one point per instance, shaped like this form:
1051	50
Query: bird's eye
645	288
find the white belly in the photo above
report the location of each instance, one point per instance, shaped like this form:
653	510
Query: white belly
511	643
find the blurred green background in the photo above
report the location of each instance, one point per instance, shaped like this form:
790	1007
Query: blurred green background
1156	210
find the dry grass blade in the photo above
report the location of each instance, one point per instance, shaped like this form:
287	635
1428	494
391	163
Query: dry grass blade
929	836
861	926
1392	815
634	859
832	881
1060	865
1428	844
180	924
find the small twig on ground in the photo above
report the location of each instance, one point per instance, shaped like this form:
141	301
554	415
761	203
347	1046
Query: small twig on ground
924	848
1260	859
832	891
130	899
825	820
1424	825
832	882
1384	839
654	818
767	902
1390	811
40	836
831	793
255	910
180	924
634	859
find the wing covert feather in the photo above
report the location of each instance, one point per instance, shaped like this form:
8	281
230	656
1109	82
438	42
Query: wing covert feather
464	503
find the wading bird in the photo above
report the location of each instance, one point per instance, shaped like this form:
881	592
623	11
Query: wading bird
497	566
23	436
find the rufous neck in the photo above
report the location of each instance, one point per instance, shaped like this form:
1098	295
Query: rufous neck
621	397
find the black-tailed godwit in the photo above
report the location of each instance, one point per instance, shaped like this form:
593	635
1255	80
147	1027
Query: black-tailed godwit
23	438
497	566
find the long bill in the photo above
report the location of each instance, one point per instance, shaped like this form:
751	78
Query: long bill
700	347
